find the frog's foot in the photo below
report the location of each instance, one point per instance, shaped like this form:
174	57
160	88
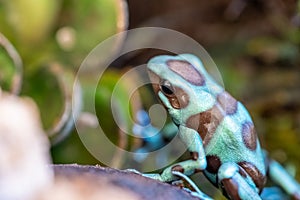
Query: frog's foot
197	192
178	183
235	185
133	171
152	176
187	167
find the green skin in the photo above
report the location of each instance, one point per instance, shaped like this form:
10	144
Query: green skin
217	130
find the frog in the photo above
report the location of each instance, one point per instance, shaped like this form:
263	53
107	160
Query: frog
218	132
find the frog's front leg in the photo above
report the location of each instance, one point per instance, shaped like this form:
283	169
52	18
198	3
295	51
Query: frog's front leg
235	184
197	162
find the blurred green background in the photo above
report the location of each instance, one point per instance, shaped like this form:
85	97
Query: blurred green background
255	45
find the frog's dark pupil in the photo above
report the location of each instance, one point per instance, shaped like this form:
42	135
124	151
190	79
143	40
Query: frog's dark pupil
167	88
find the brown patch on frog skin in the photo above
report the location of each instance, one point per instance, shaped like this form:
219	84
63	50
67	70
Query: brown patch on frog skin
187	71
249	135
227	102
231	188
178	168
213	164
258	178
180	99
206	123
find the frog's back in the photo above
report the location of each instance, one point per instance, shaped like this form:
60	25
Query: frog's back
229	135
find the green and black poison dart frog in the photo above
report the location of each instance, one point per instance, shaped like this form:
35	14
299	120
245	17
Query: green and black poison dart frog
217	130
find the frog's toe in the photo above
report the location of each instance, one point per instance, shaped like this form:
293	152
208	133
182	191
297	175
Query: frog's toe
154	176
133	171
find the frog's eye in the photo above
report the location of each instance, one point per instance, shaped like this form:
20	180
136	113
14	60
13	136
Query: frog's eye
167	88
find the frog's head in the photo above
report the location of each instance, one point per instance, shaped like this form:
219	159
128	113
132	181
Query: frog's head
178	81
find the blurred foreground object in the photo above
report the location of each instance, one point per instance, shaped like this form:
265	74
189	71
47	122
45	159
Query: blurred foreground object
24	149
